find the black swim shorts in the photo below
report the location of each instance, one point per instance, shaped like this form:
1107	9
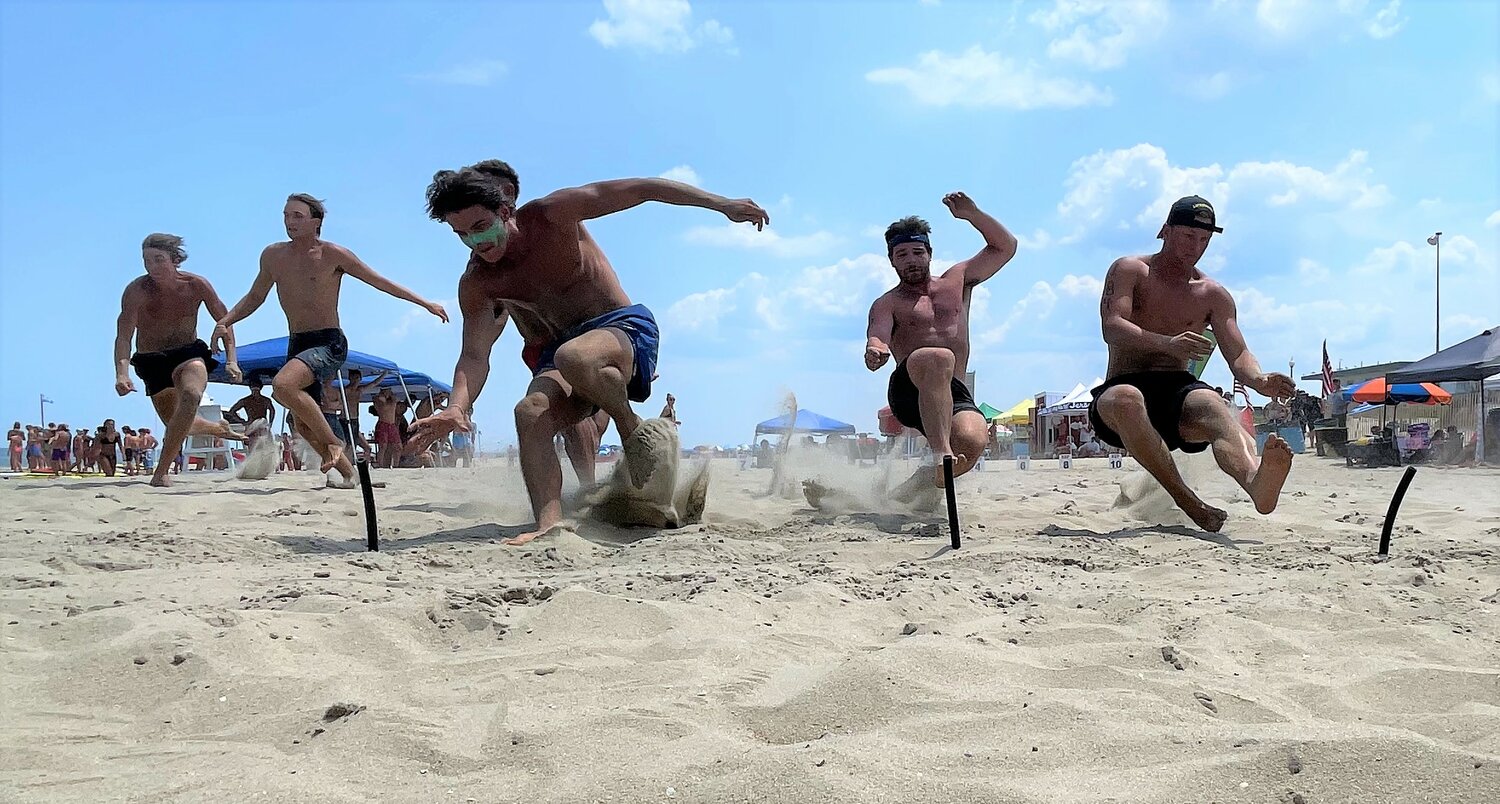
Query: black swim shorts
322	350
1165	391
155	368
902	396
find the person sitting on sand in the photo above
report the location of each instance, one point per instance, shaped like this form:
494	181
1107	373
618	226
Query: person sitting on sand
601	348
1154	310
160	311
924	322
307	272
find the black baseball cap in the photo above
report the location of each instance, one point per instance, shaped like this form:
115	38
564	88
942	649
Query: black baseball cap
1194	211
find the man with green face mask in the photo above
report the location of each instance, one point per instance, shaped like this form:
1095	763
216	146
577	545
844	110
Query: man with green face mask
539	265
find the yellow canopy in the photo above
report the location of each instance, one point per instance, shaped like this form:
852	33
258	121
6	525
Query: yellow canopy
1019	413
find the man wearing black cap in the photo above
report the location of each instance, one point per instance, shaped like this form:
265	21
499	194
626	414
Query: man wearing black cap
924	322
1155	311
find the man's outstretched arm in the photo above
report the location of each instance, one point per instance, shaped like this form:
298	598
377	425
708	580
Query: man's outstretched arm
1237	354
878	334
999	243
608	197
254	298
124	331
482	326
356	268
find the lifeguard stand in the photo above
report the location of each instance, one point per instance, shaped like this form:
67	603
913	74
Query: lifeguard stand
203	447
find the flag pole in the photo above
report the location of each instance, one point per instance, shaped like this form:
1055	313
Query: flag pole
1437	293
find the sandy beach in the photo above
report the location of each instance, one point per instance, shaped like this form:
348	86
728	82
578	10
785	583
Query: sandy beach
231	640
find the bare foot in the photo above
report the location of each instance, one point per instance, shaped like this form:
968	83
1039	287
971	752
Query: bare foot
1275	465
937	477
1204	515
228	434
161	480
344	483
527	537
335	454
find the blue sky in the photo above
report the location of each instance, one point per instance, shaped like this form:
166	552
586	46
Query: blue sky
1334	136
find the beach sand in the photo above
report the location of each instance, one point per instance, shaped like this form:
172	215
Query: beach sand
230	640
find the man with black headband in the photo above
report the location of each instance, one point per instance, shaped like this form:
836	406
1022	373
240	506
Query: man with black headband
538	263
924	322
1155	311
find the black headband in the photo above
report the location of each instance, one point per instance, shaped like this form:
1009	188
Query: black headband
896	240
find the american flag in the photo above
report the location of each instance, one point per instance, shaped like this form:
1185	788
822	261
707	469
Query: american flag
1328	388
1239	390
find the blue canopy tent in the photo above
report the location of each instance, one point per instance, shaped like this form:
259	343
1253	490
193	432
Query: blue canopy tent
262	359
415	383
806	422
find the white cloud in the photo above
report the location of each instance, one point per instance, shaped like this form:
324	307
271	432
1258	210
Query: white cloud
682	173
422	320
1493	221
472	74
978	78
1312	272
1136	186
659	26
739	235
700	311
1295	18
1035	306
802	301
1099	34
1210	87
1386	22
1088	286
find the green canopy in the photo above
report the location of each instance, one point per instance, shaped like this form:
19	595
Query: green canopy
989	412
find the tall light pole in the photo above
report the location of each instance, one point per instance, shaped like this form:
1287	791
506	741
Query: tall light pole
1437	290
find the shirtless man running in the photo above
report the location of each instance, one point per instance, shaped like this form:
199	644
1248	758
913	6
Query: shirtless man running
1155	309
601	349
581	439
160	310
307	272
924	322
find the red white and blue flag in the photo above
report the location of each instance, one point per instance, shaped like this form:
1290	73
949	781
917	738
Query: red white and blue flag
1328	388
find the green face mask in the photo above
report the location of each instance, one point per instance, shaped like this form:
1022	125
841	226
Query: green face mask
496	235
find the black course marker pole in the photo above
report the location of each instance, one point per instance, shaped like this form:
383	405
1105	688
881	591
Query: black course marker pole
362	466
952	502
1390	513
